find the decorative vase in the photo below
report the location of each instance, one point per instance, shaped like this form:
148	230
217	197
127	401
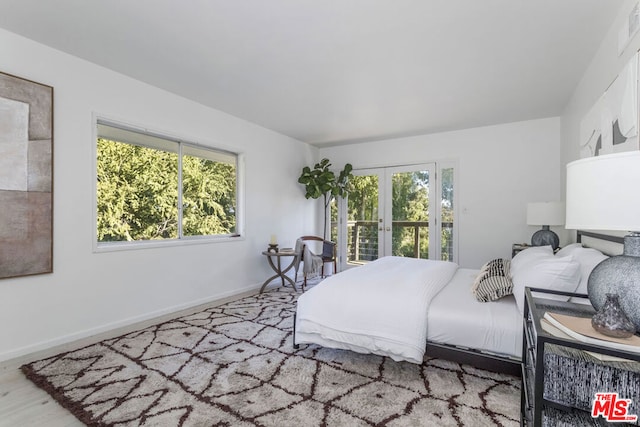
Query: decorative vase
619	275
611	320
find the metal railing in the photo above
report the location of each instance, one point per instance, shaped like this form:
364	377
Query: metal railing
363	239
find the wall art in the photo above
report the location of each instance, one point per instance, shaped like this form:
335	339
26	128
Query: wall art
611	125
26	177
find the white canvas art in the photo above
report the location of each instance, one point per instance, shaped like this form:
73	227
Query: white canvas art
611	125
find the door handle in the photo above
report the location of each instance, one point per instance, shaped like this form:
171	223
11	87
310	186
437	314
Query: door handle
388	228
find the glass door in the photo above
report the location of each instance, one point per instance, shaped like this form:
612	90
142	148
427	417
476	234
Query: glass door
363	222
388	213
408	210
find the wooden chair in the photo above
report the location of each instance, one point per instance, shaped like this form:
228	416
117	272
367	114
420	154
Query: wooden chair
328	255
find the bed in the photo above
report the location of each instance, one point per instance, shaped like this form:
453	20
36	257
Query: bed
405	308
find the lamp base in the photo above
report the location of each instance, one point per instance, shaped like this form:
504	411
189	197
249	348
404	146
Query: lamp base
619	275
545	237
273	247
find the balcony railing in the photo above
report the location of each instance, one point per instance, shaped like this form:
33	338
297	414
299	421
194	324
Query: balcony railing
363	239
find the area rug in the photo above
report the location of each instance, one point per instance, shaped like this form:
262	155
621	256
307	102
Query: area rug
234	365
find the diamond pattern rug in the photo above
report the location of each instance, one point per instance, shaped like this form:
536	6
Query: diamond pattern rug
234	365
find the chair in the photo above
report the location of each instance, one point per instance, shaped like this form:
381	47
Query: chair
328	255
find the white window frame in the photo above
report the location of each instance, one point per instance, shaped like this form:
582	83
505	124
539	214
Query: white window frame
181	142
449	164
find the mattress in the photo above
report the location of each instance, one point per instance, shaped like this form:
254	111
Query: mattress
455	317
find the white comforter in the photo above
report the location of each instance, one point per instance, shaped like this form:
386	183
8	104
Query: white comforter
378	308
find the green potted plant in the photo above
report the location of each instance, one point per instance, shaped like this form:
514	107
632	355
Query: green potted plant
321	181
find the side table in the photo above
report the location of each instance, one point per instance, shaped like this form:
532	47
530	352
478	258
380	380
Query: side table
517	247
277	267
562	376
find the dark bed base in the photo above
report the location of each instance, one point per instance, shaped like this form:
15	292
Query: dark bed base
488	362
475	358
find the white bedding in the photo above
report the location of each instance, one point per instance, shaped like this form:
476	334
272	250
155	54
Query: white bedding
378	308
455	317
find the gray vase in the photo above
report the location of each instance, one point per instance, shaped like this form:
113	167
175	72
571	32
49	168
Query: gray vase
611	320
617	275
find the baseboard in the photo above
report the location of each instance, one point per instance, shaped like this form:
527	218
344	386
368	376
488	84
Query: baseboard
54	346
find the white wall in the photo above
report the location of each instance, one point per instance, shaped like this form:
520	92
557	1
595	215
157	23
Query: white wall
602	71
500	169
90	292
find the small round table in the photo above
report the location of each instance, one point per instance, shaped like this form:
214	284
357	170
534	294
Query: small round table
277	267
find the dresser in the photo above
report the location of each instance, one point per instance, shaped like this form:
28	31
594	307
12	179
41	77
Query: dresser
561	375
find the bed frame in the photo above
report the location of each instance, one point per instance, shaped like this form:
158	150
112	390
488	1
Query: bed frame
616	239
479	359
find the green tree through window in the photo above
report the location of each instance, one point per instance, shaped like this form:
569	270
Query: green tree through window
410	207
138	190
410	202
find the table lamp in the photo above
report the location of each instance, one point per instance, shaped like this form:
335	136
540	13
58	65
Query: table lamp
545	214
602	194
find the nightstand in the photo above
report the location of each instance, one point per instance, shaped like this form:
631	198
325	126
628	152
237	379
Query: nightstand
517	247
561	375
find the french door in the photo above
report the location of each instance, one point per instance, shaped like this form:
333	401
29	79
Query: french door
395	211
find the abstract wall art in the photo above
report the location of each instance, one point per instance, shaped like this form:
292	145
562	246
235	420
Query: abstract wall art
611	125
26	177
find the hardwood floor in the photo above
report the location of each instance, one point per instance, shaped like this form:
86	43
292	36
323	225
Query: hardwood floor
22	404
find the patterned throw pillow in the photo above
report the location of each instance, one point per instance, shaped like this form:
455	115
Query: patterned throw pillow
493	281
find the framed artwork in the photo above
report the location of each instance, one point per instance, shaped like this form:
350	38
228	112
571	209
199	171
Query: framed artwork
26	177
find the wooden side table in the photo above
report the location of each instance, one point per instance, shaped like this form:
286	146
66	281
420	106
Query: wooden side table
277	267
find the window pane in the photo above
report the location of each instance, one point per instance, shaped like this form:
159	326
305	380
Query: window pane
362	220
144	178
447	215
115	133
208	193
410	209
334	220
137	192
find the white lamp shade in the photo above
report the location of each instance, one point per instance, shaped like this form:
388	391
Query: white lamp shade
545	213
603	192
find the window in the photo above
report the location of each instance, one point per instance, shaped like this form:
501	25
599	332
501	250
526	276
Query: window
447	222
152	188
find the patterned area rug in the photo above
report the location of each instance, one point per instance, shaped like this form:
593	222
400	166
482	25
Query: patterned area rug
234	365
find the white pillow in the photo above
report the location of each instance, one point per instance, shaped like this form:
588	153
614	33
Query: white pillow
569	249
541	269
588	259
530	255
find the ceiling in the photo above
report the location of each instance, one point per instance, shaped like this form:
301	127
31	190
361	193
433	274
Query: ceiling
330	72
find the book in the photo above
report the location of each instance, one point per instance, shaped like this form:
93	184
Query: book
580	328
549	328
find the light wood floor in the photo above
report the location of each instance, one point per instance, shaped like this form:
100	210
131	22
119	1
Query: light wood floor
22	404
